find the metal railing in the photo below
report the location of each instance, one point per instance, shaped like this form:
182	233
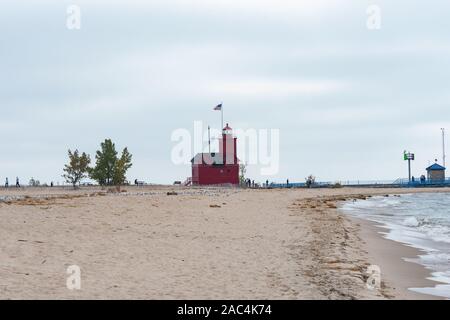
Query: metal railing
418	182
401	182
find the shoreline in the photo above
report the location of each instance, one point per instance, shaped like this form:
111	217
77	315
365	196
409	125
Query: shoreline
396	273
399	273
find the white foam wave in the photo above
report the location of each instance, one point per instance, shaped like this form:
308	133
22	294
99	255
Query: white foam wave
411	222
419	220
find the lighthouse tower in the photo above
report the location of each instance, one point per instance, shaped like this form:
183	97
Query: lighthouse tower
227	146
218	168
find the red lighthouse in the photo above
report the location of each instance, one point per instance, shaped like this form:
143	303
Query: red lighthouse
220	168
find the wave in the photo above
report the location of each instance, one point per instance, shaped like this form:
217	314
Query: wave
419	220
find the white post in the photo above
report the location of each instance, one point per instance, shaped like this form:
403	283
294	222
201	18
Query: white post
209	139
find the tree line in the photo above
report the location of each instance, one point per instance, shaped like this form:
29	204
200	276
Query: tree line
109	168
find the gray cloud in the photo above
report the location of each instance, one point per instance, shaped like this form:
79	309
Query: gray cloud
347	101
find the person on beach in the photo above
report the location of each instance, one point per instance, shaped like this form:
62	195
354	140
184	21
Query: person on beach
17	182
7	183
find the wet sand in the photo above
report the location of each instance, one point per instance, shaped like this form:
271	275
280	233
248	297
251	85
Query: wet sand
390	256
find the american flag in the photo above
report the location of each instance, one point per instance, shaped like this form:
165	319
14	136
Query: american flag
218	108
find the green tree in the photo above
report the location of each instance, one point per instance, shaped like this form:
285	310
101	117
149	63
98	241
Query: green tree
34	183
121	168
109	169
77	168
242	172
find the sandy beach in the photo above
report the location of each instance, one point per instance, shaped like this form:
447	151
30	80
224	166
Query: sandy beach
200	243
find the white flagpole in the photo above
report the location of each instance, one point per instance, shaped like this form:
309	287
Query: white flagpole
221	109
209	139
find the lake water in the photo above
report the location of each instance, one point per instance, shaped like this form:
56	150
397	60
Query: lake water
419	220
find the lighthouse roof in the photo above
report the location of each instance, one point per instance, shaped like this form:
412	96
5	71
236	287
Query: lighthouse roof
227	127
208	158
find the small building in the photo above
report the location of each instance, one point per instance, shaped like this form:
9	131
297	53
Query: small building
436	173
218	168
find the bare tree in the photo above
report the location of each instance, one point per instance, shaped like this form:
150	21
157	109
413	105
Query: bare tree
310	181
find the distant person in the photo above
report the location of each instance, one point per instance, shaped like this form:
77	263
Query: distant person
422	179
51	184
267	183
287	183
413	179
136	182
7	183
17	182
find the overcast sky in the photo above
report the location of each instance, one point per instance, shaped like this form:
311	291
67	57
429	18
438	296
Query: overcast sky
347	100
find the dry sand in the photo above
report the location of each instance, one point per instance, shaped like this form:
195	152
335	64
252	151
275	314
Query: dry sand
199	244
